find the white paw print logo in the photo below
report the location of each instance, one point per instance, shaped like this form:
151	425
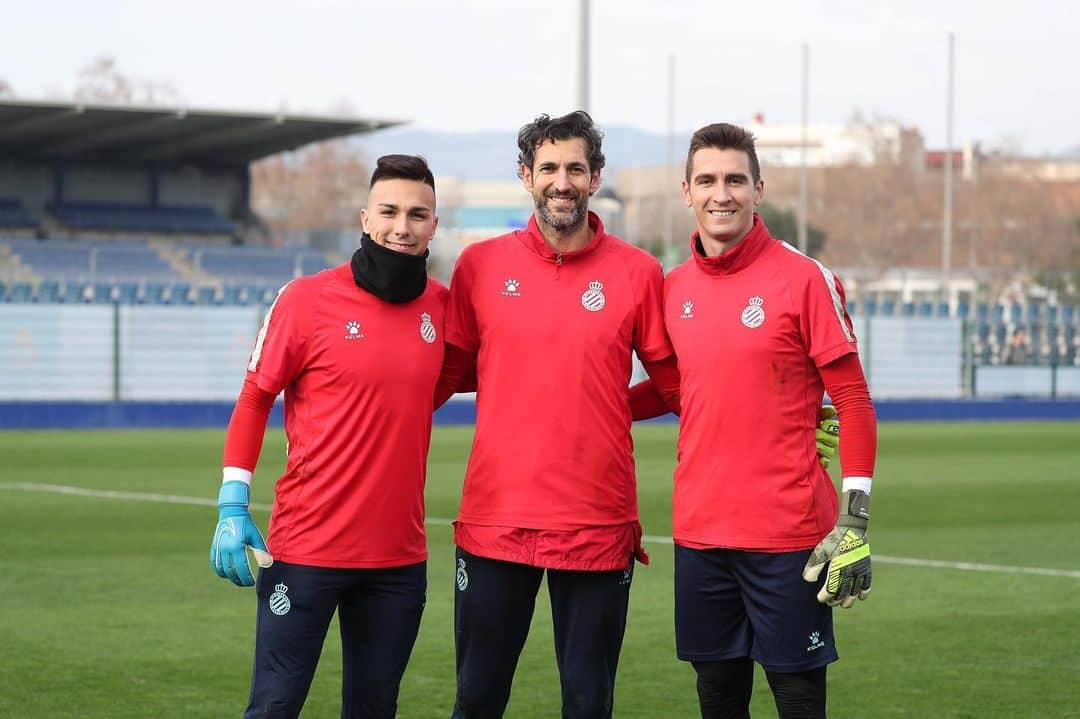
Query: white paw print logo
512	288
815	637
687	310
352	331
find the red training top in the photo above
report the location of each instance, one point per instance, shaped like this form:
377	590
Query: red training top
750	329
553	334
359	376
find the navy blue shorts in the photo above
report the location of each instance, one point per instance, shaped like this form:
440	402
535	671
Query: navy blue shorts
730	604
379	616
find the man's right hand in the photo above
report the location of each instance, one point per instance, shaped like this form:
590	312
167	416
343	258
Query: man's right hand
235	533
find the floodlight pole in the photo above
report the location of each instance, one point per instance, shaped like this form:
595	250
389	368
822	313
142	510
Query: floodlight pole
803	183
583	56
946	224
668	191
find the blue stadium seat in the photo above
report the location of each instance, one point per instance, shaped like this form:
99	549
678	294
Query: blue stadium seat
178	294
153	293
926	309
3	292
20	292
1068	314
1015	313
851	307
1052	314
235	295
104	293
207	296
312	262
128	217
48	291
998	314
982	312
126	292
14	215
870	307
908	309
888	308
72	292
963	310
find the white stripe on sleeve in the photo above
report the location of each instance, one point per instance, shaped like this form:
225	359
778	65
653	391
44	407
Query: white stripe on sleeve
257	352
830	282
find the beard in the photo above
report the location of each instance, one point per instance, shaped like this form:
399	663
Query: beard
564	222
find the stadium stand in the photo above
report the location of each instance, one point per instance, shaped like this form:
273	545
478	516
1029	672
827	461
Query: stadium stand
123	217
145	205
14	216
257	266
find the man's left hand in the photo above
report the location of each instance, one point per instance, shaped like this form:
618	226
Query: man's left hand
828	435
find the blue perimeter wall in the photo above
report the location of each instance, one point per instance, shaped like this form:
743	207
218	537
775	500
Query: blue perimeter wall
145	415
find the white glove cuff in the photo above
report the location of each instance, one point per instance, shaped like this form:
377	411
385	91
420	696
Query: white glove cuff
235	474
860	483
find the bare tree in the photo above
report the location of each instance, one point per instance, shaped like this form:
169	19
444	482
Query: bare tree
101	81
319	187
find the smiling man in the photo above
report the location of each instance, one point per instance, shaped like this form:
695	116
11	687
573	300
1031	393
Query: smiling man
550	315
358	350
759	326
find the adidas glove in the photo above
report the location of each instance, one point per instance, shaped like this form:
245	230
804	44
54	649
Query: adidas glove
235	533
846	553
828	435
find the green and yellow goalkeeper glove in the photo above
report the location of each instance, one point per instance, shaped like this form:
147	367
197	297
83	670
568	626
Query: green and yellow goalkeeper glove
828	435
846	552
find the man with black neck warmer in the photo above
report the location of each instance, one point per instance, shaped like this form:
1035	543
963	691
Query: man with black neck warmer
358	350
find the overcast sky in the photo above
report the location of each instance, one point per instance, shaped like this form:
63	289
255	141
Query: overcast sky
462	65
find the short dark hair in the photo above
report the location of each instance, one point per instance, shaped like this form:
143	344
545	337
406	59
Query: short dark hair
724	136
402	167
576	124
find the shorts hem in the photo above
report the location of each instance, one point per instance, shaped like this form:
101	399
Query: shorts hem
790	667
706	656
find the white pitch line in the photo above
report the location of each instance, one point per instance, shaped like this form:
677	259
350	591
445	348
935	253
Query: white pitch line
648	538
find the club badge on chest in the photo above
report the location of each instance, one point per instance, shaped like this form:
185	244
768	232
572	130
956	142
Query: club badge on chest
754	314
427	329
593	298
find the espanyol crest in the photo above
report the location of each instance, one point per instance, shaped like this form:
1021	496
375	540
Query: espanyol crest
754	314
427	330
593	300
462	576
279	603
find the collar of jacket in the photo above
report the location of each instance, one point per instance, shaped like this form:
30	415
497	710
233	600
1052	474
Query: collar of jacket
533	239
738	257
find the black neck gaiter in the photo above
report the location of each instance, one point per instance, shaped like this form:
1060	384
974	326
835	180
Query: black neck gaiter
391	276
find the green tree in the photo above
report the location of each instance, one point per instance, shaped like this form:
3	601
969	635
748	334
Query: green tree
784	225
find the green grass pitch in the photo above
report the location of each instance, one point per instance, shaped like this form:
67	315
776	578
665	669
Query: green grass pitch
109	608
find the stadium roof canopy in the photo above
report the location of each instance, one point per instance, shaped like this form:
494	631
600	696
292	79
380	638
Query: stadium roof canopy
122	134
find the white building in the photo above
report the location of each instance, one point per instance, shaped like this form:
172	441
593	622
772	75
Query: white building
860	142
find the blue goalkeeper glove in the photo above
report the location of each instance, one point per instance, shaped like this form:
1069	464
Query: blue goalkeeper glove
846	552
235	533
827	435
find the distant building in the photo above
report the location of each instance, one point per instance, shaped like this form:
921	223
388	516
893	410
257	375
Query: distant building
471	211
860	142
967	163
1046	169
